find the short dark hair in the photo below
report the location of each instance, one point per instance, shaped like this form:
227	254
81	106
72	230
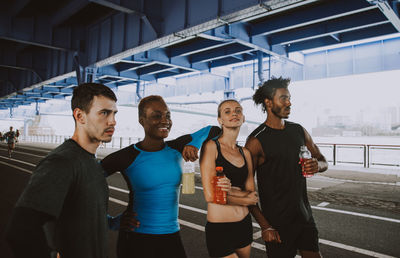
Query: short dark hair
267	90
145	101
83	95
223	102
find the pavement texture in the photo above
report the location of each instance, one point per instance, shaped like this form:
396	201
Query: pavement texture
376	188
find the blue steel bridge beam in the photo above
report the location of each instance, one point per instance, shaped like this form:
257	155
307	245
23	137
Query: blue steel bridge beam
369	32
127	7
195	46
314	13
328	28
220	53
240	33
36	31
387	10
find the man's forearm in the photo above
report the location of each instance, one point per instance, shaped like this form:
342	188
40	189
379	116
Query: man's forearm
257	214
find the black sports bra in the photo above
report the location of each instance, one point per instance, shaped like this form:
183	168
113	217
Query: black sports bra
237	175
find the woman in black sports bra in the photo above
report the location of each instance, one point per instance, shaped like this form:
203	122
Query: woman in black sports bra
229	230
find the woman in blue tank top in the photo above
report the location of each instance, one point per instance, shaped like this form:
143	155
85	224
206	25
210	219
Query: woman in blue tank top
152	170
229	230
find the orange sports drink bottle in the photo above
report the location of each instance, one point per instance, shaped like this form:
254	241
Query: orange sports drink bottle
219	195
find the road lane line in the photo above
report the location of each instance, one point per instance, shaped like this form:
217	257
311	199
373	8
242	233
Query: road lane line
13	166
257	234
262	247
356	214
20	161
354	249
184	222
30	154
314	207
191	225
118	201
323	204
192	209
308	187
328	179
25	153
202	211
118	189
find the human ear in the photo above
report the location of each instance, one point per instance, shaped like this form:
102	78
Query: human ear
268	103
79	115
220	121
141	120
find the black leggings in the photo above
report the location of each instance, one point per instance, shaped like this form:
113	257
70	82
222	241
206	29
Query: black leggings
132	244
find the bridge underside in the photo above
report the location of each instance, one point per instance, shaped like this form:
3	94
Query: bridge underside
48	47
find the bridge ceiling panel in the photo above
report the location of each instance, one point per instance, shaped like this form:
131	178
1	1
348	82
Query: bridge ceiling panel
119	42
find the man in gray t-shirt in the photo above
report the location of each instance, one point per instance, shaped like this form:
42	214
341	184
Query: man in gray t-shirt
68	187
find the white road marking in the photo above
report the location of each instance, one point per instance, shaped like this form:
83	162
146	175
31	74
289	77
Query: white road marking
308	187
257	234
254	244
354	249
13	166
314	207
118	201
20	161
356	214
328	179
26	153
262	247
323	204
30	154
118	189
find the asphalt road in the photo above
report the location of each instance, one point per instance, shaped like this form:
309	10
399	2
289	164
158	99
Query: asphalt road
349	224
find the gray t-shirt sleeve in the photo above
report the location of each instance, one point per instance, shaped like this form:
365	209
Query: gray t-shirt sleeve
48	186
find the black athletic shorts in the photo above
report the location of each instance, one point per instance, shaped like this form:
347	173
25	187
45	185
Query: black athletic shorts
224	238
138	245
294	237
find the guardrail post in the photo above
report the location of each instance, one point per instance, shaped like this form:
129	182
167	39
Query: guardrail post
365	156
120	142
334	154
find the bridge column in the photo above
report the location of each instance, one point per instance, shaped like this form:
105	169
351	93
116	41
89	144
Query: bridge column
139	91
229	92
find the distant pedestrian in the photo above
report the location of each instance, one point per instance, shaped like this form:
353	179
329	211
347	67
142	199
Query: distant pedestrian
10	138
16	136
68	186
286	219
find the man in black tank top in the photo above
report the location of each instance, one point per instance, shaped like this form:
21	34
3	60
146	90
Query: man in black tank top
285	217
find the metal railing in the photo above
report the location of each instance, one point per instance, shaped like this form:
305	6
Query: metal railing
116	142
366	155
361	154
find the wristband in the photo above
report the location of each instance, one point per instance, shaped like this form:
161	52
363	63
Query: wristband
268	229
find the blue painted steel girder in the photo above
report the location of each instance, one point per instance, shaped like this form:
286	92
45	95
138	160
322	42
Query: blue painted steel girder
219	53
195	46
344	37
313	13
335	26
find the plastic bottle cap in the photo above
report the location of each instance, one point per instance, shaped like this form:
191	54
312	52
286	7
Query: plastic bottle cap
219	169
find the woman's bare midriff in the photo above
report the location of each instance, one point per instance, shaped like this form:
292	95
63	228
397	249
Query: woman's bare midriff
226	213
